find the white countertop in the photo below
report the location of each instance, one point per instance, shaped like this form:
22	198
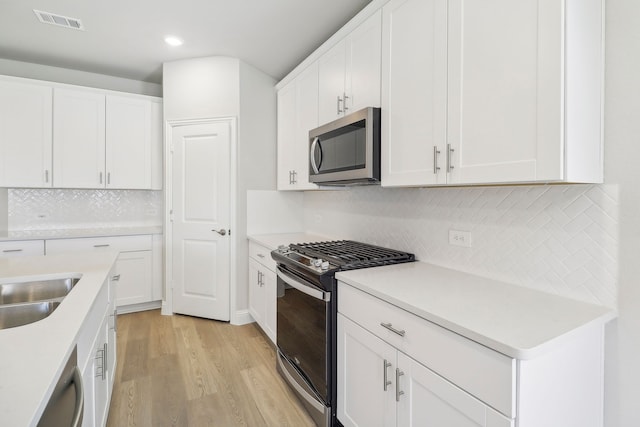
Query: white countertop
68	233
272	241
33	356
516	321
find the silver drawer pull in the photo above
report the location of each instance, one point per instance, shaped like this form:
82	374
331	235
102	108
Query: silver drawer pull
261	255
116	278
101	246
12	250
390	327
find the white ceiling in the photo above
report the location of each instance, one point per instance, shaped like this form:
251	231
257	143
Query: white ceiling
125	38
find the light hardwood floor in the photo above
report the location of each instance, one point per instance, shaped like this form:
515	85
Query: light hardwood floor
186	371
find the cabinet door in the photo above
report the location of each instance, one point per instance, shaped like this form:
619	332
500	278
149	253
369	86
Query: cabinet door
25	135
270	303
331	89
286	135
365	363
362	80
506	90
128	142
428	400
101	374
136	272
256	293
78	139
414	92
306	120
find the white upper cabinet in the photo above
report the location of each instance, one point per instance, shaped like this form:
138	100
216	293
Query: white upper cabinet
414	99
349	73
25	135
297	115
522	92
128	148
78	139
106	141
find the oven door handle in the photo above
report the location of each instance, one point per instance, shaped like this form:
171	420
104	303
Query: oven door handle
307	289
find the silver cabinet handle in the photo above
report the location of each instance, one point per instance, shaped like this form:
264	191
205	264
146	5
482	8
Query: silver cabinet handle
105	361
79	409
101	246
339	111
295	177
221	232
108	177
12	250
399	393
436	168
102	373
115	320
100	177
390	327
344	102
116	278
385	366
46	175
261	255
449	155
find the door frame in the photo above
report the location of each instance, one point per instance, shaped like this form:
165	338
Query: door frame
170	125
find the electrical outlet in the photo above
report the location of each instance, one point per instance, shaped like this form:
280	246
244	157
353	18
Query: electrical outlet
460	238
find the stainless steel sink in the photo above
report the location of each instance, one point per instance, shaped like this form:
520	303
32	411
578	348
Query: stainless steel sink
22	314
42	290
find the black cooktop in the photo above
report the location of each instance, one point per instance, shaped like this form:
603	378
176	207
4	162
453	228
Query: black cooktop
348	254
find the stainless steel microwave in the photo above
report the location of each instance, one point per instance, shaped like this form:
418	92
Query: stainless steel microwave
346	151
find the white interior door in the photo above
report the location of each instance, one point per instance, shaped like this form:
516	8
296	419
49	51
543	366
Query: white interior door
201	218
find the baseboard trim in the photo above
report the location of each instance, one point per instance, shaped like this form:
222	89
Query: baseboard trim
241	317
132	308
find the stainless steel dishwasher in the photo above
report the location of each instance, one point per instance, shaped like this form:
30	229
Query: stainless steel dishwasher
66	405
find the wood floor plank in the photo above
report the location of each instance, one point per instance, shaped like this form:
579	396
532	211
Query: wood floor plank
185	371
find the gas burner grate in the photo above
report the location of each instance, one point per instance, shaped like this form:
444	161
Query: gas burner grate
349	254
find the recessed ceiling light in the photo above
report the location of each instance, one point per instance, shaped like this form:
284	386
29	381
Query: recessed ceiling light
173	41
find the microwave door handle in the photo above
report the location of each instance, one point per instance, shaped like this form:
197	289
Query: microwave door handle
312	157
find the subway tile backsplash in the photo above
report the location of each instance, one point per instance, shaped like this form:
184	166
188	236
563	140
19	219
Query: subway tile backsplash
560	239
46	209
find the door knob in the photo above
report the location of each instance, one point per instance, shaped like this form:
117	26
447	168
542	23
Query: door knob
221	232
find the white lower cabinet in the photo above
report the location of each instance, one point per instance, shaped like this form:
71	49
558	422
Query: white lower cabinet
135	266
262	289
381	386
97	357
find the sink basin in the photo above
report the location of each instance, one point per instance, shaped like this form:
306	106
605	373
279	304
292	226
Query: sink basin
22	314
42	290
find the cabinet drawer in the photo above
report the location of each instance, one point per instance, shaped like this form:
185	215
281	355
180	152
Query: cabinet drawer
482	372
21	247
116	243
262	254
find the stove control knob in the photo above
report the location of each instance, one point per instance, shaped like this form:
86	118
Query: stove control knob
317	262
324	265
283	249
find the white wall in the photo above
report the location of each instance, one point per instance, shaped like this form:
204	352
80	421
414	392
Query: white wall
75	77
201	88
622	151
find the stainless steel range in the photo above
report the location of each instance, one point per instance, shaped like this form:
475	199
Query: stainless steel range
307	315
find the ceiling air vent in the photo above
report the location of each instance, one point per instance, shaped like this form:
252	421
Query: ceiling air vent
62	21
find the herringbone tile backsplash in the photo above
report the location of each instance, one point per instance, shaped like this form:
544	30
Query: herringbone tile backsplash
46	209
560	239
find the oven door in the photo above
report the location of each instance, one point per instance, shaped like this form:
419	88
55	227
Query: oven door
303	330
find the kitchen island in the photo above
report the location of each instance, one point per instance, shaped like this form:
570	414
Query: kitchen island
33	356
